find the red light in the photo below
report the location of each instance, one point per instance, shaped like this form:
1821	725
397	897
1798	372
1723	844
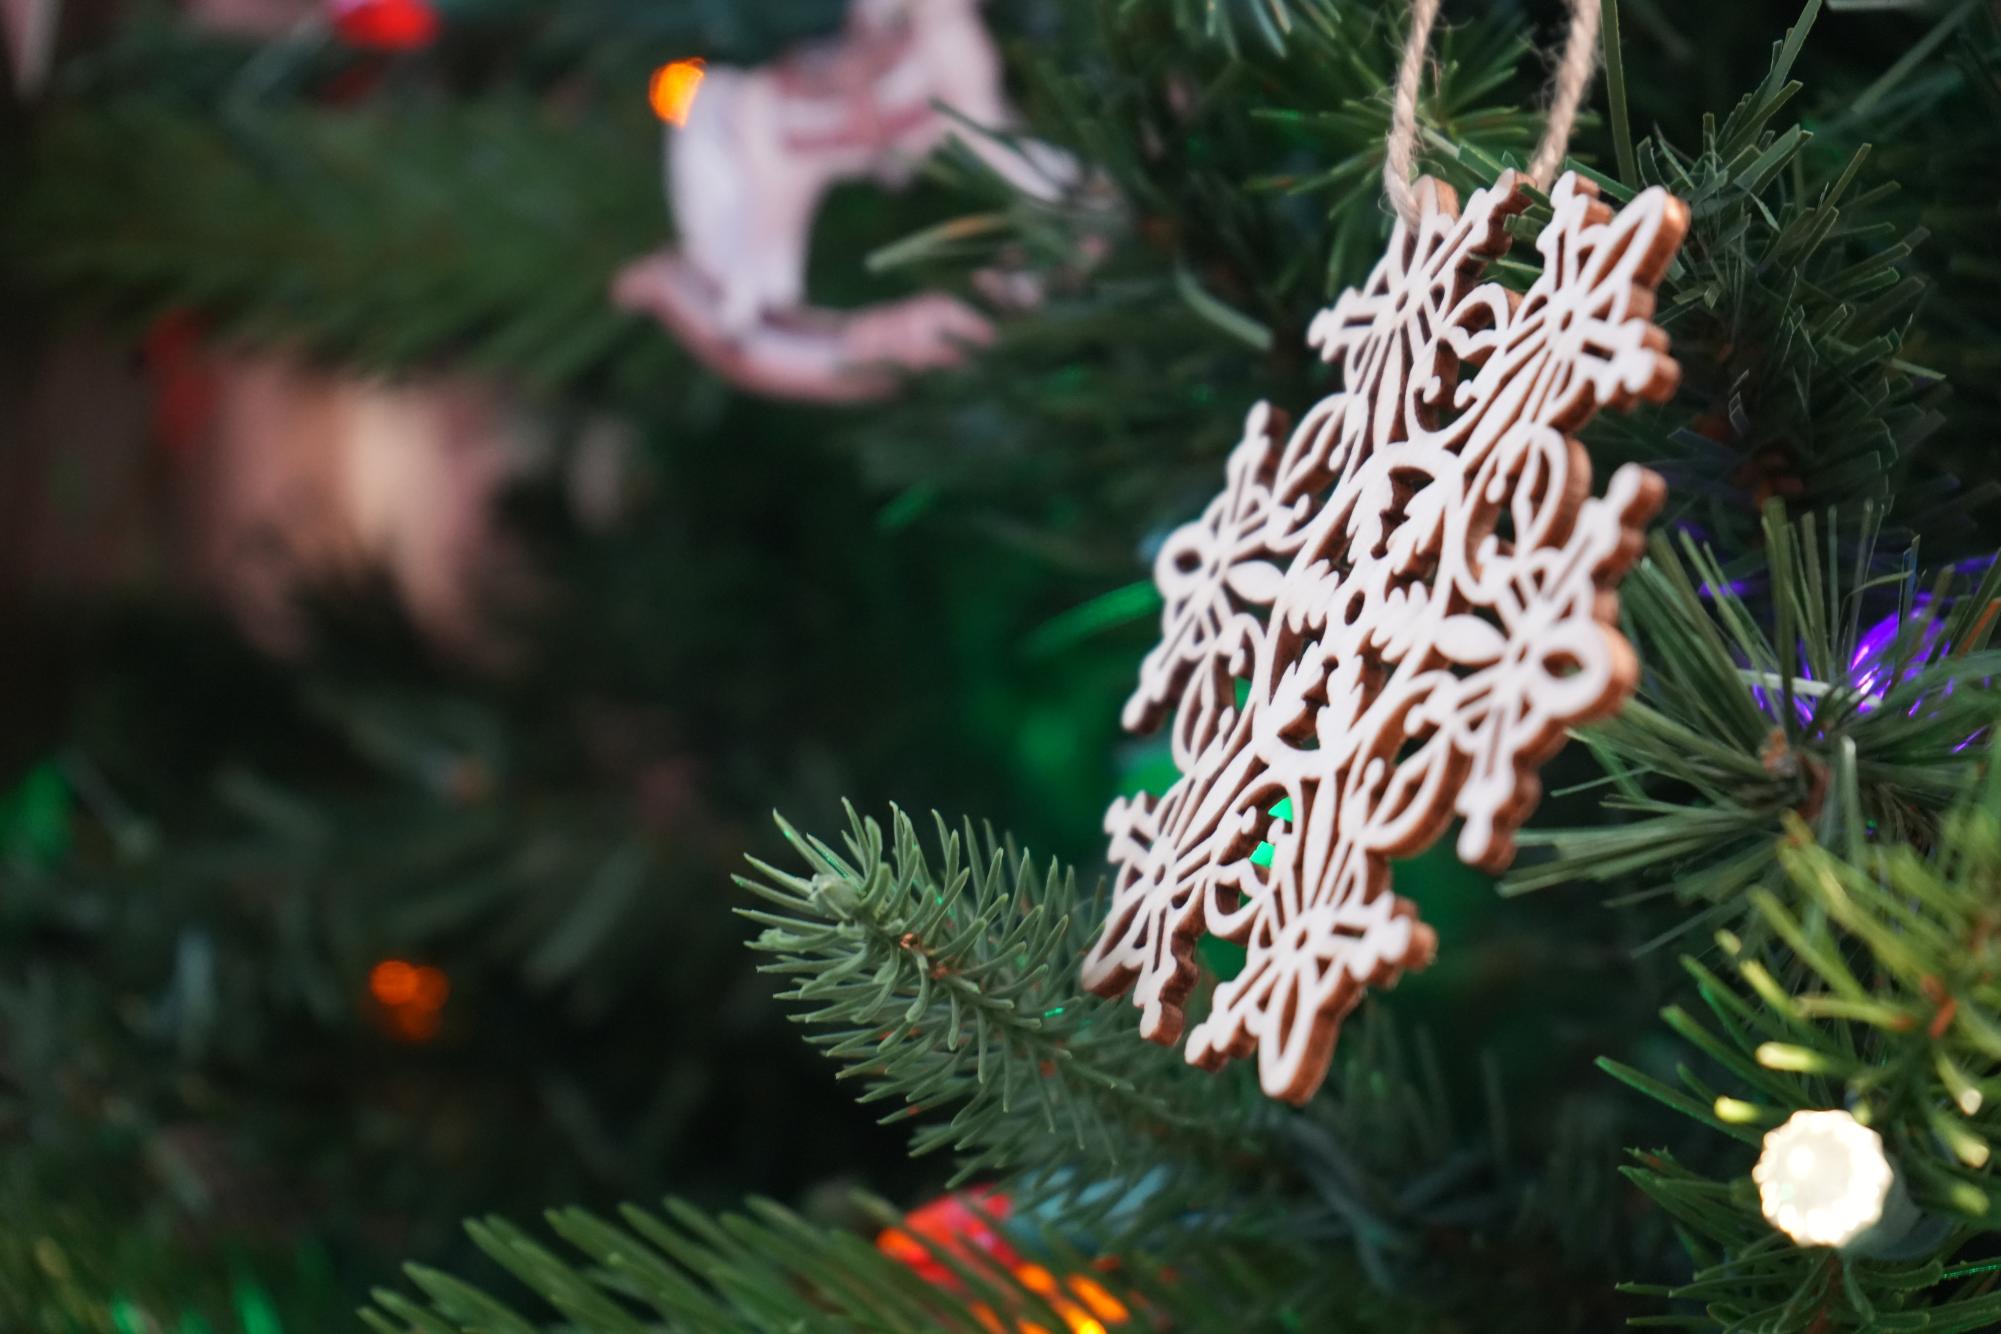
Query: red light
386	25
393	983
411	996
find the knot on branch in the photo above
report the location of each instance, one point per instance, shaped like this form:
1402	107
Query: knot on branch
1945	1005
909	941
1782	761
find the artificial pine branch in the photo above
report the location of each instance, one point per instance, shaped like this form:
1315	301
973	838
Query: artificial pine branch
681	1269
1248	188
71	1264
1877	988
950	986
687	1271
1758	703
370	238
948	982
944	978
1805	308
1789	306
1227	21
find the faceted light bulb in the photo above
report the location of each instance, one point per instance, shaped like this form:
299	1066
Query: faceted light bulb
1823	1178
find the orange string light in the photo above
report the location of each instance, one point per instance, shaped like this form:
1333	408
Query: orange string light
967	1226
412	997
393	983
672	91
1084	1304
1102	1304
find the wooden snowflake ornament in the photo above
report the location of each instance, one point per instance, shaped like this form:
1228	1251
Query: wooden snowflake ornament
1413	588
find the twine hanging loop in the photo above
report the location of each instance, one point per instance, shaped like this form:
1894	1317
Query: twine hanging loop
1567	88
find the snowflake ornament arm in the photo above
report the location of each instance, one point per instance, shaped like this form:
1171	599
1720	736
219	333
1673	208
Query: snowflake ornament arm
1213	575
1416	594
1384	335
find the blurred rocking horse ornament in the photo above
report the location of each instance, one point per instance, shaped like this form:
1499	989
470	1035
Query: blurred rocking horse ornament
751	159
30	30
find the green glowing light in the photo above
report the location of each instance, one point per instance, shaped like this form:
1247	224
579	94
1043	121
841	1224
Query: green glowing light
254	1310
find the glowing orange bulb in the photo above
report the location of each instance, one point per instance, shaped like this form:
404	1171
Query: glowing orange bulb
673	89
1044	1284
1103	1305
393	982
412	994
966	1226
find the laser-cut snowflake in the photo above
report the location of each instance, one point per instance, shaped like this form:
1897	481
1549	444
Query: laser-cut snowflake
1416	586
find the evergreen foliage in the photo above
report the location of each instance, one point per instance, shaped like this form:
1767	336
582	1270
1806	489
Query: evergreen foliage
1791	305
1802	795
942	980
1842	694
951	989
767	1268
279	219
1874	989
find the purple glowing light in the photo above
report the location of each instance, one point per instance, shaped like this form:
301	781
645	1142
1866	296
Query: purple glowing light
1872	668
1873	664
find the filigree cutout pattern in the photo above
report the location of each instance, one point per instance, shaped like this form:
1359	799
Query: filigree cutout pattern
1411	592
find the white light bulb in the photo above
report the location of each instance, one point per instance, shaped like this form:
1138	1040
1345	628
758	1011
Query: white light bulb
1823	1178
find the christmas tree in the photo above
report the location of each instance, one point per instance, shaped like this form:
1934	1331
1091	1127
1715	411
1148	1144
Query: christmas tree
1497	506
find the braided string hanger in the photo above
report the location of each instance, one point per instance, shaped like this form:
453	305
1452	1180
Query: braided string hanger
1573	76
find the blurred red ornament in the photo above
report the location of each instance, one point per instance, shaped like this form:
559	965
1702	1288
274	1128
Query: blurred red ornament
967	1227
385	25
964	1225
